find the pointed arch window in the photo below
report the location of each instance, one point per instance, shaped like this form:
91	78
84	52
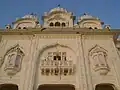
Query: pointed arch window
57	24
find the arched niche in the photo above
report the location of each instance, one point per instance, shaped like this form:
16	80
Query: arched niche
56	86
57	59
9	87
13	59
98	57
105	86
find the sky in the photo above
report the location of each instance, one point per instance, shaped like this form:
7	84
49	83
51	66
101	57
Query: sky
107	10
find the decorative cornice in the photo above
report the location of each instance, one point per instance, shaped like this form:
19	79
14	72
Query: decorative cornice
75	31
62	36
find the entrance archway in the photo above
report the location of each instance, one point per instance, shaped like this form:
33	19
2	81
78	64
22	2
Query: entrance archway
8	87
105	87
56	87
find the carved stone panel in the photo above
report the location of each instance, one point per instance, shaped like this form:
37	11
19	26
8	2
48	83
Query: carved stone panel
98	57
13	59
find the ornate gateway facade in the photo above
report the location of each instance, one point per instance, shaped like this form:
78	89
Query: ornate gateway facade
59	54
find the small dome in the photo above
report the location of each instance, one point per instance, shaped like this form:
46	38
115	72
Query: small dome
58	9
31	16
87	16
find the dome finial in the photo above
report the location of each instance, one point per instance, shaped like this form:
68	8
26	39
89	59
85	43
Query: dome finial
58	5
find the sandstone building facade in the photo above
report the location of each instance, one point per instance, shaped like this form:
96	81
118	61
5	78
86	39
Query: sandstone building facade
59	54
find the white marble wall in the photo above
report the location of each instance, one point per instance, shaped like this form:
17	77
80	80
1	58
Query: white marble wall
85	78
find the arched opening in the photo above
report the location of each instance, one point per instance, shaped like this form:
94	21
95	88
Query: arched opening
56	87
19	27
24	28
51	24
105	87
96	28
57	24
7	27
90	27
8	87
63	25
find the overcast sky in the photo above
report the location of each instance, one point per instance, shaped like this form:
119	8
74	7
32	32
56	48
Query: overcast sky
107	10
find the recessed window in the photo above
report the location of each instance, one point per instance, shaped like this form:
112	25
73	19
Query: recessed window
63	24
57	57
65	71
51	24
57	24
56	71
47	71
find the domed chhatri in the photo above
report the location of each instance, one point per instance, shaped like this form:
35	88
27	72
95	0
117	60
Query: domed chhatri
88	16
62	53
57	17
89	21
27	21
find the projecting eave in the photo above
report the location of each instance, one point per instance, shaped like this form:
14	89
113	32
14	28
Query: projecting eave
60	31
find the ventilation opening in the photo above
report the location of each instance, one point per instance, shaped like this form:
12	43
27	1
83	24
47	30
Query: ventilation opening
57	24
104	87
51	24
56	87
8	87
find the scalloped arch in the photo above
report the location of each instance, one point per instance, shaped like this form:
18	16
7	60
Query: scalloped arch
54	45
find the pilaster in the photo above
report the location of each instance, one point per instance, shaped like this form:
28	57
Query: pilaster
27	78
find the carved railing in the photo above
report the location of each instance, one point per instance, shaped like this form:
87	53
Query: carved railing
55	67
